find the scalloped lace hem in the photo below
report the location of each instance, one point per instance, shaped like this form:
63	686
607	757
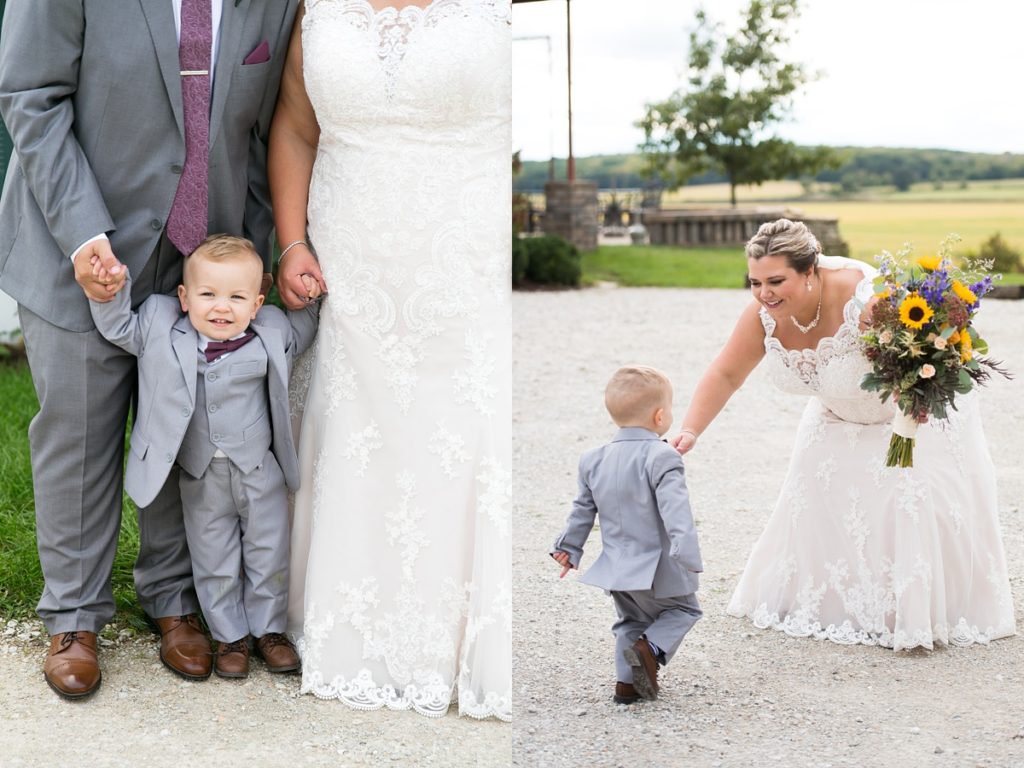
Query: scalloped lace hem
431	699
961	634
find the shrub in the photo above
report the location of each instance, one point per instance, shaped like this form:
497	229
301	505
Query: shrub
520	259
552	261
1004	257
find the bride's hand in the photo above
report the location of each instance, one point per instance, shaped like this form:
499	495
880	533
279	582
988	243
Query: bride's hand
295	264
684	441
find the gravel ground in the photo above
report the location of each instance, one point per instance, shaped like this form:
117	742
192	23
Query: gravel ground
734	695
144	715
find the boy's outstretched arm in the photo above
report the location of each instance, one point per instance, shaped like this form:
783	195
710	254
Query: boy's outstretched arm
669	481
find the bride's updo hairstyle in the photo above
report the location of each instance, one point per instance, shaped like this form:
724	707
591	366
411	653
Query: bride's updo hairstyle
791	239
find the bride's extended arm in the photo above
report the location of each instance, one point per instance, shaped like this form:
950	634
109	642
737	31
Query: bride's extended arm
740	355
294	135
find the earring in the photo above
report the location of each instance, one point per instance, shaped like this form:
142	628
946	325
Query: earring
808	286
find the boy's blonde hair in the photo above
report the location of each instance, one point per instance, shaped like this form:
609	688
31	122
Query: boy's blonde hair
634	392
224	248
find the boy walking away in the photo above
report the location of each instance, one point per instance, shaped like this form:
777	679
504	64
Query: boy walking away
650	555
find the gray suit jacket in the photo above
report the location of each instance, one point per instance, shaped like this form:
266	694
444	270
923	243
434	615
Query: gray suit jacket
166	344
637	486
91	94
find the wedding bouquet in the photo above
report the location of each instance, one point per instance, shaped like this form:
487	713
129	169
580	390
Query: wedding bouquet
921	342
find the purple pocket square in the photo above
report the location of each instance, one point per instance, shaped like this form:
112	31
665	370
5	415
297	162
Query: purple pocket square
260	54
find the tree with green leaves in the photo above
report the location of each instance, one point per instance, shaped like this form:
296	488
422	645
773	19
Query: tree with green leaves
739	87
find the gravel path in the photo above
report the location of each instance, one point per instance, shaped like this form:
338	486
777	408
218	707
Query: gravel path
734	695
145	716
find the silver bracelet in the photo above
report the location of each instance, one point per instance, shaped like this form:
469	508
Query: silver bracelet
292	245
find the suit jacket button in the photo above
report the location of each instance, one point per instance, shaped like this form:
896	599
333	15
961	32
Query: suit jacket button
186	412
156	224
212	408
211	377
215	436
176	168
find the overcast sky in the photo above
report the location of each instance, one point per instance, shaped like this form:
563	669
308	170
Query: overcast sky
896	73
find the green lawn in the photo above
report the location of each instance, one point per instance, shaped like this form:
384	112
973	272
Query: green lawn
666	266
671	267
21	581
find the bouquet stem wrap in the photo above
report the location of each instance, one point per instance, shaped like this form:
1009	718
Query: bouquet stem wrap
901	446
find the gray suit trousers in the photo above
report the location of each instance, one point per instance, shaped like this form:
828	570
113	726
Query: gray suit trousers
237	527
665	621
85	388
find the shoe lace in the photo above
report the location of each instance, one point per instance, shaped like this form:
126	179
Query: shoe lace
273	639
68	639
237	646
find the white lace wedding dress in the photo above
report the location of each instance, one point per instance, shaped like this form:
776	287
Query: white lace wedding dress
401	561
856	552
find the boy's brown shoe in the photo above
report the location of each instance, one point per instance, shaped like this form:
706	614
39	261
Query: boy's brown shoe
277	652
625	693
71	668
232	659
184	646
645	668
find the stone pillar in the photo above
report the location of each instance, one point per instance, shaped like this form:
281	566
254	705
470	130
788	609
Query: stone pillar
571	212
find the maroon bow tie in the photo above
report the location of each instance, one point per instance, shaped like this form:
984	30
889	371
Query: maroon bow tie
215	349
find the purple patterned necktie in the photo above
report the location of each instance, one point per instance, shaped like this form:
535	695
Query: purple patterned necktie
186	225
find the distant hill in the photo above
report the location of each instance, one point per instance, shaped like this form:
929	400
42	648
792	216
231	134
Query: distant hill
862	167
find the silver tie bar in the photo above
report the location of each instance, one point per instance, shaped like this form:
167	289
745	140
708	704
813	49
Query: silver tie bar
194	72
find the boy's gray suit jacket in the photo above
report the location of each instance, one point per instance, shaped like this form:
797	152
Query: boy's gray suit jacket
636	485
167	347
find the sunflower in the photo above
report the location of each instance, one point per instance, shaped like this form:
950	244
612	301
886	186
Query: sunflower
966	346
931	263
915	312
966	294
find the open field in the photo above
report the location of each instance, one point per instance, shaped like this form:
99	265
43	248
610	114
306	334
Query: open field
872	227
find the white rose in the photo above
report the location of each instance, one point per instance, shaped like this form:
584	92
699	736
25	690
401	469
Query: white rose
885	336
940	343
927	371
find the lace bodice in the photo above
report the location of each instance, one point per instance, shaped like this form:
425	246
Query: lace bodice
833	370
426	82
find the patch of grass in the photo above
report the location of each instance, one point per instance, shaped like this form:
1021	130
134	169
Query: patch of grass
666	266
21	581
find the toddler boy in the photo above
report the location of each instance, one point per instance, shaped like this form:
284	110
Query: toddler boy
212	416
650	555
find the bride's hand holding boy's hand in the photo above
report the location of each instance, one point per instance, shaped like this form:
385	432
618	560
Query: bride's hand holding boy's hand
684	441
296	266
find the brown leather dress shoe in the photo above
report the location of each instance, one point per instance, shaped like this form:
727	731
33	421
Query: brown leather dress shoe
277	652
625	693
184	646
71	668
645	668
233	659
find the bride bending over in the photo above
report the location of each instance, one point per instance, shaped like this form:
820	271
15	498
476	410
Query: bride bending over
854	551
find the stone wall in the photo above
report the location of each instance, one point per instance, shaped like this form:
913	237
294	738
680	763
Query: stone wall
733	227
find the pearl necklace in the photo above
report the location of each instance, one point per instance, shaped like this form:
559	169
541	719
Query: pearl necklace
817	315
